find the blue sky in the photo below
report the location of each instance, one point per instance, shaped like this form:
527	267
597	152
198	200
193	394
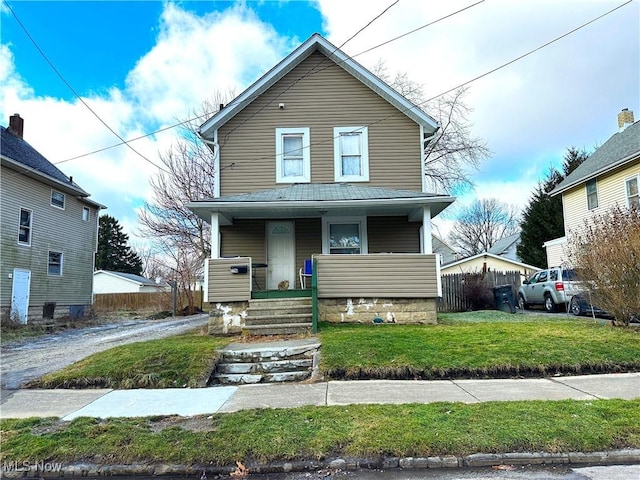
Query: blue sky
144	65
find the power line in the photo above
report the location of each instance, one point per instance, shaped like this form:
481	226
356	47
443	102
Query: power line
35	44
253	97
478	77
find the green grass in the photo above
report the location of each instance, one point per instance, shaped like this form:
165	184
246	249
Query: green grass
319	432
185	360
468	345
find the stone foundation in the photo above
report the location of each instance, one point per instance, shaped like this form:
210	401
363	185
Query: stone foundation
366	310
227	318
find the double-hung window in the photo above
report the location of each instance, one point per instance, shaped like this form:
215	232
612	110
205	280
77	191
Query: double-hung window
345	235
54	264
592	194
57	199
293	156
633	197
24	228
85	214
351	154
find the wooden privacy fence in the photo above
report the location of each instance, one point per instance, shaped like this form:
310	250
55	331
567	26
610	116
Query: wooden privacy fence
146	301
457	294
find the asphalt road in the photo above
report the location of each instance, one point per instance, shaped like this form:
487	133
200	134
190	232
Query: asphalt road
28	359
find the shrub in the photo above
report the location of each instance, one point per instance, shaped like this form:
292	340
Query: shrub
477	292
606	256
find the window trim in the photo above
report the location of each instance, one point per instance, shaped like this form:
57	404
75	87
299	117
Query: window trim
593	182
360	220
626	190
49	274
30	227
306	155
64	199
85	218
364	154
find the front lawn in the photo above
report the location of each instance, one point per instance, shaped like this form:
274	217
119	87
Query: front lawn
364	431
185	360
473	345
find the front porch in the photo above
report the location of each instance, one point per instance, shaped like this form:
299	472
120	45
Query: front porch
373	288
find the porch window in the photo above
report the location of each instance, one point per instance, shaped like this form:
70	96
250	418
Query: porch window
351	154
592	194
633	197
344	236
24	229
293	157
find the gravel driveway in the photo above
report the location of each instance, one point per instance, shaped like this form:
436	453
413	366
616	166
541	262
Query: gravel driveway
28	359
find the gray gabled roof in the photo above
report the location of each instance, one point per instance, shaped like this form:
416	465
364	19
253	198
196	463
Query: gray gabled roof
621	148
19	150
503	244
318	43
131	277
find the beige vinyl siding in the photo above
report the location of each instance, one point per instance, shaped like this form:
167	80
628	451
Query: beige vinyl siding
246	238
611	191
52	229
225	286
327	98
556	254
393	235
387	276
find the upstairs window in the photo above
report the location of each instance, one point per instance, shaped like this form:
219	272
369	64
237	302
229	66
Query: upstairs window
54	265
85	214
592	194
57	199
24	228
633	198
293	157
351	154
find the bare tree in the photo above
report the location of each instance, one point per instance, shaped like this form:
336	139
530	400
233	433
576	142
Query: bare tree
453	153
188	174
606	256
480	225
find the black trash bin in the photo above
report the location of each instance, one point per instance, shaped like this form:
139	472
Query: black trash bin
503	296
48	310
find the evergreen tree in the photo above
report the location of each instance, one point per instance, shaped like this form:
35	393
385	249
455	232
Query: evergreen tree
542	219
113	252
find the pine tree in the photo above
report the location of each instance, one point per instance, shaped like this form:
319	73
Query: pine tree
542	219
113	252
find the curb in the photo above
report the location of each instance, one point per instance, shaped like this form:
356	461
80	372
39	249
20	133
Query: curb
476	460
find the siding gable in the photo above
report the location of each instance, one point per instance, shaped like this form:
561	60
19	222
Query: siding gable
320	95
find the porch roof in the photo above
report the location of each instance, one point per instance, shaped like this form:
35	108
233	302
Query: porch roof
317	200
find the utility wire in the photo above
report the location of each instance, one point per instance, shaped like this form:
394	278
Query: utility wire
478	77
253	97
76	93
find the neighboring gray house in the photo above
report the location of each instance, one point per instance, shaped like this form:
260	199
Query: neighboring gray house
447	253
506	247
48	234
105	281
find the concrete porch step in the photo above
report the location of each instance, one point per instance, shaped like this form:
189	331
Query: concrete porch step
279	329
278	366
279	302
251	320
243	379
276	309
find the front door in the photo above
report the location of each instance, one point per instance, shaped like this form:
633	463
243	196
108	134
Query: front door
20	294
280	254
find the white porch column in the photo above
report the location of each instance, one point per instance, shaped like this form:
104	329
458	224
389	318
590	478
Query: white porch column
427	244
215	236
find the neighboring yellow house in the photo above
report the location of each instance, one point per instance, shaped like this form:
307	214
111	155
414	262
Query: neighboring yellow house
609	177
488	262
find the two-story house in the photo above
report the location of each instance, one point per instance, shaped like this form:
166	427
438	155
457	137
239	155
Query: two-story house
320	158
48	234
610	176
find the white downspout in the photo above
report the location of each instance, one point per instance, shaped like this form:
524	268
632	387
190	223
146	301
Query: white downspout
215	235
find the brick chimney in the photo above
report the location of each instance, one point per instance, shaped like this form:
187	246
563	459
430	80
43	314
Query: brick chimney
16	125
625	118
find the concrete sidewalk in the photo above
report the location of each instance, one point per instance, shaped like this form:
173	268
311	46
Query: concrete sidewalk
70	404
